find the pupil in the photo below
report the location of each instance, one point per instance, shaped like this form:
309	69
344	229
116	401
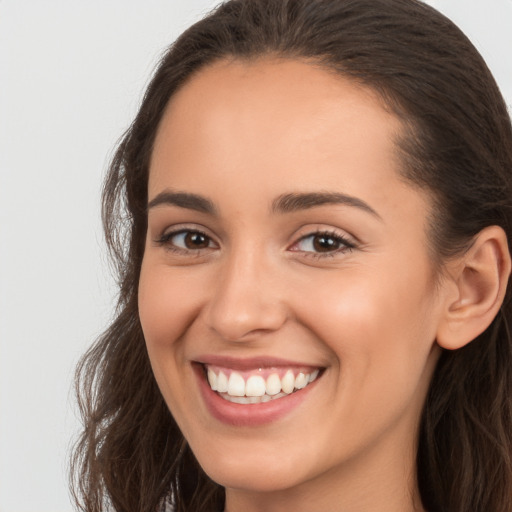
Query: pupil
196	241
325	244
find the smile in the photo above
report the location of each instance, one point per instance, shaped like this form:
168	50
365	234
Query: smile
259	385
253	392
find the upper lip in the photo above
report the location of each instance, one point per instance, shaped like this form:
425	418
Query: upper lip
249	363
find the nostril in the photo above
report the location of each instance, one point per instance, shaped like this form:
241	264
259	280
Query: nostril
243	320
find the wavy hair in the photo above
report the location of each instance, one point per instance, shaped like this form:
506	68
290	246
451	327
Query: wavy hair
131	456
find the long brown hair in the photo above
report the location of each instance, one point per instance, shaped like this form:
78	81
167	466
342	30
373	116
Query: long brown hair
458	145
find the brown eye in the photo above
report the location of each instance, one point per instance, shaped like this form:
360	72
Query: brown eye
318	243
325	243
186	240
194	240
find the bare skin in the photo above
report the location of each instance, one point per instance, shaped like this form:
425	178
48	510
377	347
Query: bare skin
346	286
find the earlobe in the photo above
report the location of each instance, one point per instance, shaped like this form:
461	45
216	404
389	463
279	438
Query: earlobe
478	281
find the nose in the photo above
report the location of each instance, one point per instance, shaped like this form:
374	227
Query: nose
246	301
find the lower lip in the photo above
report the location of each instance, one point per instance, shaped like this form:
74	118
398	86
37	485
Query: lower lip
248	415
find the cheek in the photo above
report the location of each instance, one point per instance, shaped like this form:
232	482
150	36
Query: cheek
366	304
167	304
382	342
380	326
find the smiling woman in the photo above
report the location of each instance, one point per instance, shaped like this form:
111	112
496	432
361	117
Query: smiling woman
314	307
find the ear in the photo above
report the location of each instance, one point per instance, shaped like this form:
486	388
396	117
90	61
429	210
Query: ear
477	284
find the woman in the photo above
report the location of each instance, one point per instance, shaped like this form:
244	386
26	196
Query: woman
311	216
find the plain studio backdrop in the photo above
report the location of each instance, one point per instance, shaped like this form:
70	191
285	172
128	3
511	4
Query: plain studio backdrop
71	78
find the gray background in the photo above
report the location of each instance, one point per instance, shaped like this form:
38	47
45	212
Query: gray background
71	77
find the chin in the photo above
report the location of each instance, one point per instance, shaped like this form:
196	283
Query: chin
253	473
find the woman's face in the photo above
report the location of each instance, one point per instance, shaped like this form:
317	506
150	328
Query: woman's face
283	245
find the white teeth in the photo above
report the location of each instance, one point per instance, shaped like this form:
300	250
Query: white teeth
212	379
273	384
222	383
256	389
288	382
255	386
301	381
238	399
236	385
243	399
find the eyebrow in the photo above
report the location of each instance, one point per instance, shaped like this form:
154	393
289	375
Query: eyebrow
286	203
183	200
293	202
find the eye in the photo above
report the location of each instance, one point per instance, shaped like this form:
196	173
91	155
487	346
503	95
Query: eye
187	240
323	242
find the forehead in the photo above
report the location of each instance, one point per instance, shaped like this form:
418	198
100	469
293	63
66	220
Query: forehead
296	100
279	125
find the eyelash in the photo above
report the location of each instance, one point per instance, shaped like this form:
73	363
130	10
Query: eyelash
344	245
166	241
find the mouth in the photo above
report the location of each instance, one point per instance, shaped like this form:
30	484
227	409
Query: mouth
259	385
253	392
